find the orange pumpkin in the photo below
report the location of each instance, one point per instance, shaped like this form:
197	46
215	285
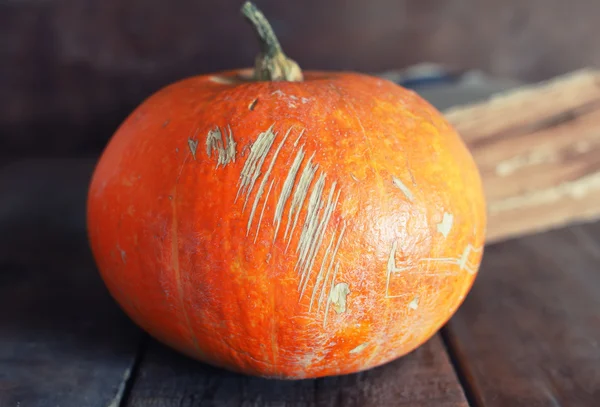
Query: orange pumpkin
287	225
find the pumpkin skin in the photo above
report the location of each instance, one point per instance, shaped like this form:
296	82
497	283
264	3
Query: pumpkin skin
287	229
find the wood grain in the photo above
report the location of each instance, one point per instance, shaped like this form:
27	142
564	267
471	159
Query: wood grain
538	150
63	340
423	378
529	333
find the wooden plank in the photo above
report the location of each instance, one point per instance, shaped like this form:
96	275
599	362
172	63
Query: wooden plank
529	332
63	341
538	150
423	378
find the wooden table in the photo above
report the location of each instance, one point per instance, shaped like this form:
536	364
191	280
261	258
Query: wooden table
527	335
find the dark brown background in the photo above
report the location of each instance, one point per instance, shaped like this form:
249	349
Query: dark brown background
71	70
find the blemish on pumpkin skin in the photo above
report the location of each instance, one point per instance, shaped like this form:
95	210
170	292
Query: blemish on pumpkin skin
407	192
175	266
464	259
193	144
299	137
286	191
166	122
310	224
254	162
359	348
262	212
320	274
317	238
252	104
338	297
391	269
299	197
325	282
414	304
266	178
123	254
463	262
292	100
225	150
445	225
337	267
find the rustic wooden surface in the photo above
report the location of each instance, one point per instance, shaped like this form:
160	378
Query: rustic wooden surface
423	378
63	341
529	332
72	69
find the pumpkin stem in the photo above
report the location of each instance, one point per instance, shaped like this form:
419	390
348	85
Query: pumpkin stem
271	64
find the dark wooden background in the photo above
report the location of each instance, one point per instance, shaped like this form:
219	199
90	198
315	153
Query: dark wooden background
71	70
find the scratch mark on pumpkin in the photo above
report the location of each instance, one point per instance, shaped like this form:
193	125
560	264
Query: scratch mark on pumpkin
177	271
231	145
407	192
317	285
185	160
299	137
335	271
310	221
359	348
225	151
264	180
193	145
286	190
337	246
391	265
299	196
123	254
433	274
339	296
464	263
262	212
254	162
213	138
461	261
354	177
445	225
317	238
414	304
391	268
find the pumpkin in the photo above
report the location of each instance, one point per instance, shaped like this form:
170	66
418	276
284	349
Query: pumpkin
287	224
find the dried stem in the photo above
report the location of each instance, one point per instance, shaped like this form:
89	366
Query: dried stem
271	64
